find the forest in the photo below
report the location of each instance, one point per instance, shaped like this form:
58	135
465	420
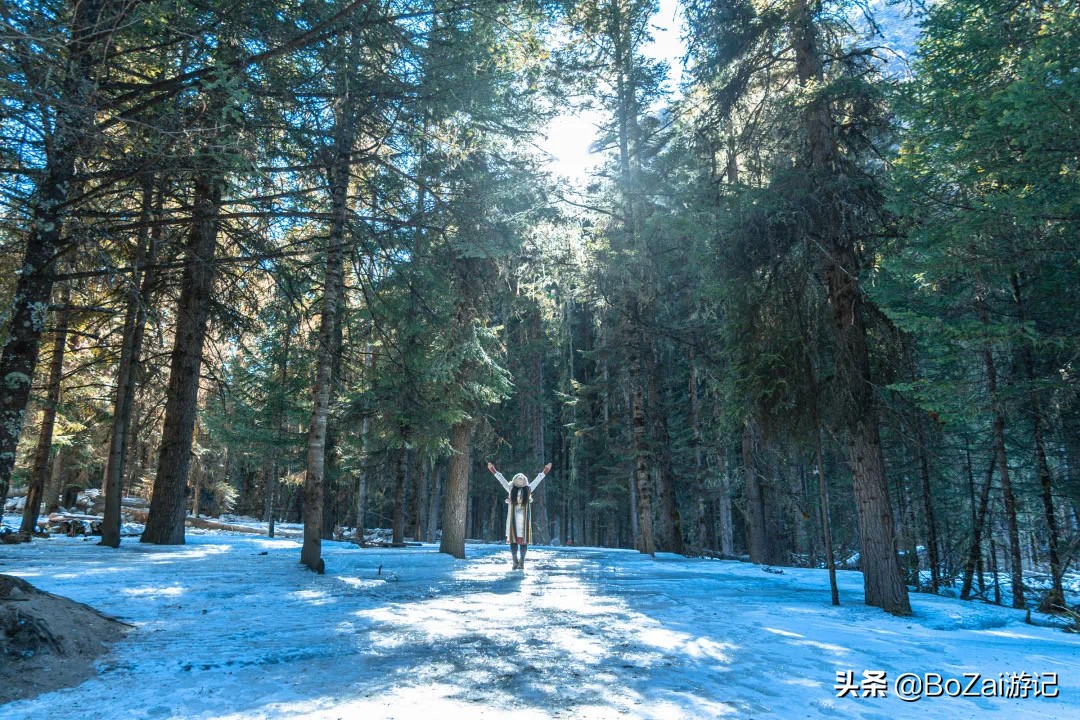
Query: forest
306	262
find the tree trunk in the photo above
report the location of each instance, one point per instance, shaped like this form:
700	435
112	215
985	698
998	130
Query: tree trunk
314	478
361	485
1055	598
435	501
755	497
361	482
670	532
541	530
329	503
340	174
271	489
401	479
702	529
1017	570
456	499
29	307
979	518
56	481
168	505
421	485
826	521
882	576
130	352
642	485
198	472
39	473
722	508
928	507
909	531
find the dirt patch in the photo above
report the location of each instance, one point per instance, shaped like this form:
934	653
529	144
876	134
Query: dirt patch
47	642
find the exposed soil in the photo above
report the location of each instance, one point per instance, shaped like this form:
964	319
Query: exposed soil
48	642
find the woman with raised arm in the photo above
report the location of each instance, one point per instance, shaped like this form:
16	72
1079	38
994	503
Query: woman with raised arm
518	514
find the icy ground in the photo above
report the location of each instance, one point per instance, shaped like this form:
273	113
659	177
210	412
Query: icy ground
230	626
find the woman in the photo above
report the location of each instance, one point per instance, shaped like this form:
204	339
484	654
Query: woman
518	514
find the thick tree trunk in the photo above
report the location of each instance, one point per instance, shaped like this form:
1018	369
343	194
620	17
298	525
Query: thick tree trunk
882	576
168	506
74	118
130	352
39	472
456	499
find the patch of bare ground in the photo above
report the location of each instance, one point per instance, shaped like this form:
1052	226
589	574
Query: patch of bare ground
48	642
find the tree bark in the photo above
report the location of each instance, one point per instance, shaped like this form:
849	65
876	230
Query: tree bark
361	486
928	507
1017	569
56	480
642	482
702	529
456	499
670	532
723	510
758	545
39	472
168	505
401	479
130	352
826	521
74	116
435	501
1055	598
979	519
882	576
314	478
271	490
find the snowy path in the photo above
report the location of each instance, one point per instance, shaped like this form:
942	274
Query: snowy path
225	631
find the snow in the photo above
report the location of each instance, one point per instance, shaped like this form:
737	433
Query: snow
230	626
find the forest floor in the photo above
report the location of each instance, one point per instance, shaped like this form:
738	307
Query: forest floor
230	626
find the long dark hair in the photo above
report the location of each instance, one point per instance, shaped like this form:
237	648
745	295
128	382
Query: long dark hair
515	491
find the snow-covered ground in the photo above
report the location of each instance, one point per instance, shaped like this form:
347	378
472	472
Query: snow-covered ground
230	626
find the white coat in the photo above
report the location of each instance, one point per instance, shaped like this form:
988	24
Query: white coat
521	515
